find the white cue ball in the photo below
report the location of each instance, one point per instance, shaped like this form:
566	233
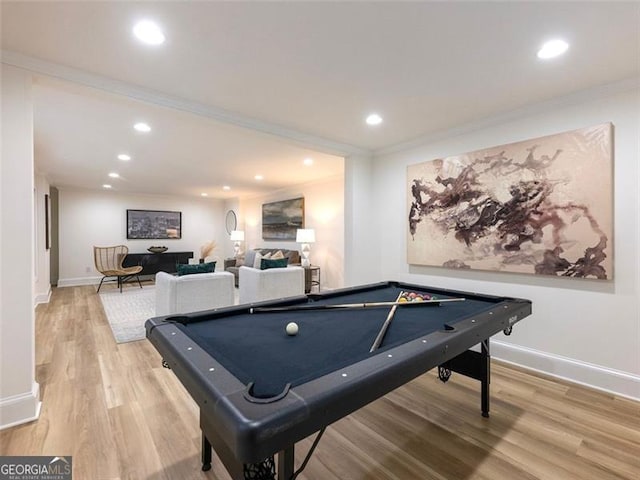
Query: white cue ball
292	328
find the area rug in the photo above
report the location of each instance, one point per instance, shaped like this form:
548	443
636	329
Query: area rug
127	311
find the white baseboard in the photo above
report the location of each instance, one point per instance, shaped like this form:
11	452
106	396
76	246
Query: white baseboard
42	298
78	281
19	409
601	378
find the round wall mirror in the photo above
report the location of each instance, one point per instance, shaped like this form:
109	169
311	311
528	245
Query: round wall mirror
231	221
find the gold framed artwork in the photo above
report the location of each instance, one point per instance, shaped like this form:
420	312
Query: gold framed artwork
541	206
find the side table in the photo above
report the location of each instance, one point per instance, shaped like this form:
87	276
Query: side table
311	278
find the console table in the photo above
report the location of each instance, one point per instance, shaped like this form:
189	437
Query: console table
153	263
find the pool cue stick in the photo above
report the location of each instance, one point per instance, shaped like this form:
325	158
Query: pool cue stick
292	308
385	325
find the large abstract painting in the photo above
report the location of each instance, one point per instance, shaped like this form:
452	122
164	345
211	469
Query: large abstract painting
542	206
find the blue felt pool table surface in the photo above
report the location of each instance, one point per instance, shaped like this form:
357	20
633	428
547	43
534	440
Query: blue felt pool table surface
256	348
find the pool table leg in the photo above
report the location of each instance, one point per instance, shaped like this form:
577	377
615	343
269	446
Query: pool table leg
484	389
206	453
285	463
472	364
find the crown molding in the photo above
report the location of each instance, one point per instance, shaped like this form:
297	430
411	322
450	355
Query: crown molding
42	67
600	91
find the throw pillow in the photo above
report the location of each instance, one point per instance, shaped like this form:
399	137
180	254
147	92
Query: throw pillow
268	263
256	261
185	269
250	258
267	255
278	255
240	261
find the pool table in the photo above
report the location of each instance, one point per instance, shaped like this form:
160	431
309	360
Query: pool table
261	390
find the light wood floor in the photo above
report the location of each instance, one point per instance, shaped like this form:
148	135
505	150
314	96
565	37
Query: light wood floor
122	416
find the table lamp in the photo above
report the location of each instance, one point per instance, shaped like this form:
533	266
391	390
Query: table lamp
305	236
237	236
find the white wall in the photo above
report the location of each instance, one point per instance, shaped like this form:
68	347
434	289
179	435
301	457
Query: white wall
88	218
42	283
19	392
324	212
585	330
362	237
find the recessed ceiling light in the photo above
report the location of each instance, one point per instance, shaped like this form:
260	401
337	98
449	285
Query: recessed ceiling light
308	161
204	194
374	119
106	185
552	49
124	157
258	177
114	175
148	32
142	127
226	187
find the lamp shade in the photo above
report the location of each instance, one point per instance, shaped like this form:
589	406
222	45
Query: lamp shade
305	235
237	235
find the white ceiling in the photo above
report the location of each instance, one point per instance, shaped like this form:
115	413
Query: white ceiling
310	71
80	131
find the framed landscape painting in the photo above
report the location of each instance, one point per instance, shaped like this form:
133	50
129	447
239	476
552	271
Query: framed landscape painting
281	220
542	206
153	224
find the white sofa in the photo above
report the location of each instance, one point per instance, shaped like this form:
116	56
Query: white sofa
259	285
192	293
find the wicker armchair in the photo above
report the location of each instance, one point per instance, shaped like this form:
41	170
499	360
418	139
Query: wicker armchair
108	261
